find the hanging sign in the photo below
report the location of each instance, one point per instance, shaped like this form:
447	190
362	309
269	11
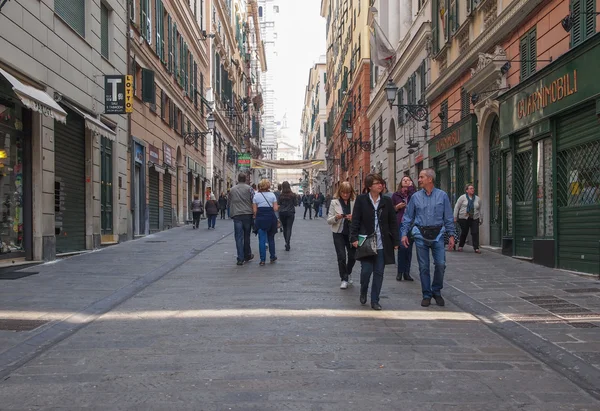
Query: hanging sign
114	94
153	153
168	155
244	159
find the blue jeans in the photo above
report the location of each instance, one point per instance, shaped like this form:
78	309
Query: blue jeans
263	237
405	257
242	226
320	211
438	252
212	219
374	265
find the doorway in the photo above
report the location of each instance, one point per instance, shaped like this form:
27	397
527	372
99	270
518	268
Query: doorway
495	198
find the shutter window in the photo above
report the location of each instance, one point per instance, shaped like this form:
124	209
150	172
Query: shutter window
201	93
400	109
528	45
104	30
583	20
170	45
589	18
464	103
148	86
73	13
163	101
444	111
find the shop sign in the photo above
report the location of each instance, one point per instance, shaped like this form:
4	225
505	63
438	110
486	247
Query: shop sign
454	136
244	159
168	159
153	153
139	153
118	94
564	86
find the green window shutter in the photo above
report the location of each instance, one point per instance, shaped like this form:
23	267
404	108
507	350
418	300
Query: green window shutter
576	17
175	49
148	86
157	26
444	111
589	19
201	93
163	103
532	42
524	65
465	103
104	30
400	109
170	44
73	13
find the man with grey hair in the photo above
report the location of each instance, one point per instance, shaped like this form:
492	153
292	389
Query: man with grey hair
240	203
427	217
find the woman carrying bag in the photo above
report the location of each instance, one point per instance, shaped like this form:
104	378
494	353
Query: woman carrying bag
374	232
339	218
467	212
264	206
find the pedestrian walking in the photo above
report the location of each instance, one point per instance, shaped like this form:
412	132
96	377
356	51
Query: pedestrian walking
240	204
197	211
317	204
307	201
212	210
222	205
264	206
287	212
374	215
401	198
228	206
428	216
467	212
340	218
328	203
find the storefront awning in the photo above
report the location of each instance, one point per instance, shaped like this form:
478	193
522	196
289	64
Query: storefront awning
36	99
93	124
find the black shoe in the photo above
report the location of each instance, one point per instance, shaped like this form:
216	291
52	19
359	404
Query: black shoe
273	260
287	247
399	277
407	277
363	299
376	306
426	302
261	263
240	262
439	300
250	258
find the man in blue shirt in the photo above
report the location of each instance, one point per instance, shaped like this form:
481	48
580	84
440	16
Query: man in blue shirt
428	216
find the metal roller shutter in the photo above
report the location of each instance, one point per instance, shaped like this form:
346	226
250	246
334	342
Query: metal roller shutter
167	203
578	195
153	204
523	197
69	160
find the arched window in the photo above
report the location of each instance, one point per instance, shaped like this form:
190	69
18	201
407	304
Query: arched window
260	11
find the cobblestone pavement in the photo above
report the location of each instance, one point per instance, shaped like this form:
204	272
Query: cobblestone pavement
154	325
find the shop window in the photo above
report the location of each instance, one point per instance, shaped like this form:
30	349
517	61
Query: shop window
72	12
583	15
104	40
528	46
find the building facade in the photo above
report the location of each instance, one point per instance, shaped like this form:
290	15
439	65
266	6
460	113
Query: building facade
398	137
347	92
63	160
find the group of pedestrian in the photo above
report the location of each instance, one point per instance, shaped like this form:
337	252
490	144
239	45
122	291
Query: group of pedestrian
369	227
314	202
212	208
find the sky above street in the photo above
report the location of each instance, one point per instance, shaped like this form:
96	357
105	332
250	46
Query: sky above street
300	41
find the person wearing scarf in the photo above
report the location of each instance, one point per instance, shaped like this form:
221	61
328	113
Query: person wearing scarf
400	198
467	212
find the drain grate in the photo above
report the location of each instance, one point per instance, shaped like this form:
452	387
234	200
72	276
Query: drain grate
20	325
533	298
155	241
582	290
583	325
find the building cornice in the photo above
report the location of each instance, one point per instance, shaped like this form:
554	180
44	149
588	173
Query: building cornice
509	19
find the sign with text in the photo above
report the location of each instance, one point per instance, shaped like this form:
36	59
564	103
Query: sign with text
244	159
168	159
129	94
114	94
153	153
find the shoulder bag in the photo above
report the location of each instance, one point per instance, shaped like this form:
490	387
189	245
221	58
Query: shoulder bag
368	248
278	221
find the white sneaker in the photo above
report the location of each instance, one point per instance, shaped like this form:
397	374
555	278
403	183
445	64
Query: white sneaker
350	280
344	285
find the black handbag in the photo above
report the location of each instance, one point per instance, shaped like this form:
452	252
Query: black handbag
369	247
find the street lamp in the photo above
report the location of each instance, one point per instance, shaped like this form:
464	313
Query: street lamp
349	132
191	137
419	112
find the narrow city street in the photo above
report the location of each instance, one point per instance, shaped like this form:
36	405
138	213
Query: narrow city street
170	322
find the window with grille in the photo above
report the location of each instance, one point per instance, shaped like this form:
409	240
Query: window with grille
72	12
104	41
528	44
583	15
444	114
465	104
578	175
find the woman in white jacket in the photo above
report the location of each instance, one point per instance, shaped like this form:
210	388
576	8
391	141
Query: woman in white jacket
340	217
467	212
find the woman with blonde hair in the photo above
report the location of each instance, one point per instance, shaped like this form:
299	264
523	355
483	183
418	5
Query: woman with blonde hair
264	207
340	217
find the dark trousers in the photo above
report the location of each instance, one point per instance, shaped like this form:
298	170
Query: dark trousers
212	219
222	210
196	218
372	265
466	225
309	209
242	225
287	221
343	249
405	258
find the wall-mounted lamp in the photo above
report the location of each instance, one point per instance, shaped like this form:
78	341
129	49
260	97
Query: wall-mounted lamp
419	112
205	35
191	137
504	69
567	22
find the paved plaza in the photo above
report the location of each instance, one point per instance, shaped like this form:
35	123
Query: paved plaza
169	322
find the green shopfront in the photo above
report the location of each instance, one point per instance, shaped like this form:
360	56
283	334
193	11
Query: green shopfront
550	140
453	153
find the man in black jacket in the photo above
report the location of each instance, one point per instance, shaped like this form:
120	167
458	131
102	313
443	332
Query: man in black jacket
307	201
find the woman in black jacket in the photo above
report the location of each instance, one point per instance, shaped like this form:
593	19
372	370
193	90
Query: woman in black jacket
287	212
374	213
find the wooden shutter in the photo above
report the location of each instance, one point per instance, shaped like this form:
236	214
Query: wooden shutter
72	12
576	17
163	102
400	109
148	86
202	93
104	30
170	44
532	59
524	64
589	18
